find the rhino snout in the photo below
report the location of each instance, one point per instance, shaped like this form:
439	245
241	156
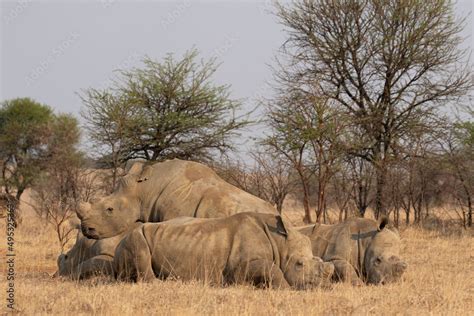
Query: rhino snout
400	267
89	232
328	270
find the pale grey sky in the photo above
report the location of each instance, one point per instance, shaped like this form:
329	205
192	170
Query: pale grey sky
50	50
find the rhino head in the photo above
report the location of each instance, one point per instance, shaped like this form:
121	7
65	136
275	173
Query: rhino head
113	214
108	217
382	262
68	262
64	267
301	269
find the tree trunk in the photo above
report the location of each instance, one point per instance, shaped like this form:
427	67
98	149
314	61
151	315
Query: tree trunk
469	212
279	204
417	208
468	197
307	211
114	178
19	192
321	203
396	215
379	193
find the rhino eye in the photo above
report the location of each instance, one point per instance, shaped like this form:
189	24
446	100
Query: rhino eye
300	263
110	209
378	260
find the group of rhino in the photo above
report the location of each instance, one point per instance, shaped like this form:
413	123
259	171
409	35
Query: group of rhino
178	219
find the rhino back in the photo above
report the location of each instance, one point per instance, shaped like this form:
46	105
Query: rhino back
183	188
204	248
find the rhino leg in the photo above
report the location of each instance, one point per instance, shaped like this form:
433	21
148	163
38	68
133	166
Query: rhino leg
266	273
97	265
345	272
278	280
133	260
144	270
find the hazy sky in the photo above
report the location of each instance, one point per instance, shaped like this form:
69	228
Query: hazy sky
50	50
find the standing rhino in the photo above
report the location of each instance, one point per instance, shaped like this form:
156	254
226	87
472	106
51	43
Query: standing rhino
258	248
361	250
163	191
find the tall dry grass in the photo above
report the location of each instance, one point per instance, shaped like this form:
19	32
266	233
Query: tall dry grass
439	280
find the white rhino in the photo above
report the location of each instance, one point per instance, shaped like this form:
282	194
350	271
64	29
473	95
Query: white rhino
362	250
163	191
248	247
88	258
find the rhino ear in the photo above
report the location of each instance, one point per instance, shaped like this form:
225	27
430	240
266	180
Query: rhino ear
281	229
135	167
383	221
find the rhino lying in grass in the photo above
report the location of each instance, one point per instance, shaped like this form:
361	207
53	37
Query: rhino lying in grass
360	249
248	247
88	258
163	191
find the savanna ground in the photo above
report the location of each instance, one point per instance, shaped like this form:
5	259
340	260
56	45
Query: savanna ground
439	280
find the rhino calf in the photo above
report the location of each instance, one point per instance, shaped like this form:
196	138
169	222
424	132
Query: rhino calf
246	247
362	250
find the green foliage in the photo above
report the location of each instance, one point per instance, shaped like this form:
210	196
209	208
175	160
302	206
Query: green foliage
25	129
34	140
65	137
465	131
167	109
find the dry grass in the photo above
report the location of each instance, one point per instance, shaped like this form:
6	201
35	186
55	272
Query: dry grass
440	280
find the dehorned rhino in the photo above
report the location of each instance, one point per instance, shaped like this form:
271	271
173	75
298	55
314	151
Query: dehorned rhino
248	247
163	191
362	250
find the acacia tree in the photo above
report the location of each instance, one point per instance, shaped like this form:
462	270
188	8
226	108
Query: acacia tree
288	140
107	120
306	130
24	138
386	63
167	109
